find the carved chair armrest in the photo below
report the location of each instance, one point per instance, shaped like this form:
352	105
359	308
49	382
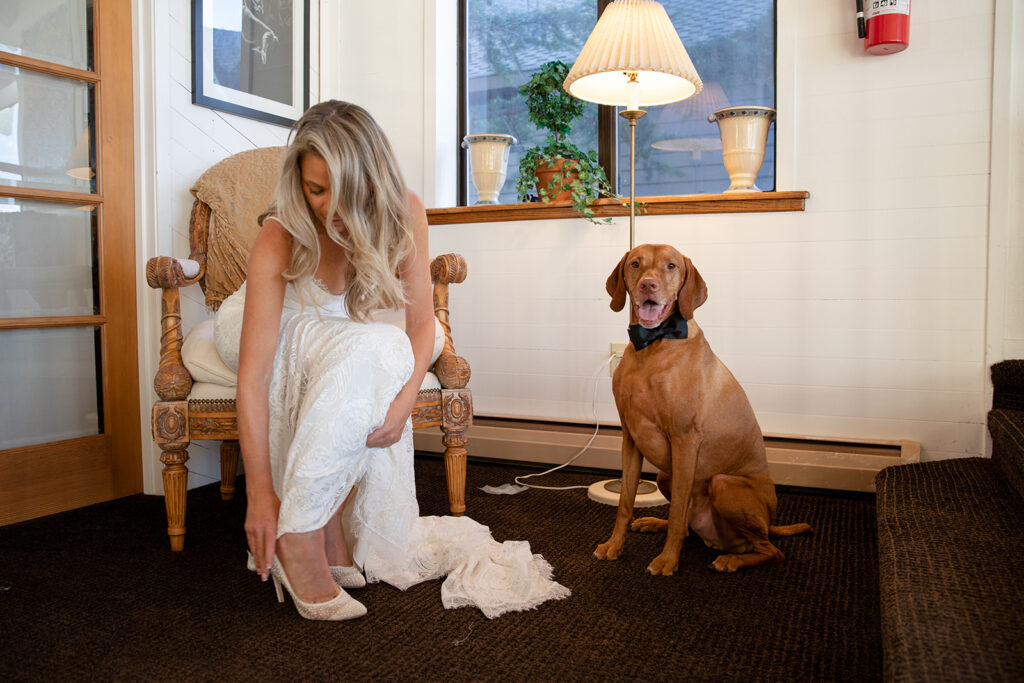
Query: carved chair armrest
452	370
173	381
166	272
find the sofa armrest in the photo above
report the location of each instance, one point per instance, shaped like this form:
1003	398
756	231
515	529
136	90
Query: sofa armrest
452	370
1008	384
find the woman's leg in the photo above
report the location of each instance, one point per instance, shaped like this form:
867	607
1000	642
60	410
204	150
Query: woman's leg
335	543
305	563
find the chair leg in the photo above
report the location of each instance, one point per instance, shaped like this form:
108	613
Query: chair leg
228	468
454	441
175	476
456	417
170	432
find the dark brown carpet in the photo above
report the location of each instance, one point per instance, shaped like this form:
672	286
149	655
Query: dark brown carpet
96	594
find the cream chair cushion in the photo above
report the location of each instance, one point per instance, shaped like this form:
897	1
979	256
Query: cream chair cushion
212	379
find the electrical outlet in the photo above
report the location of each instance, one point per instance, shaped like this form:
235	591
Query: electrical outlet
617	349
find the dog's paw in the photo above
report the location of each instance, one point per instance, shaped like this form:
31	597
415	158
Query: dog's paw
726	564
649	524
608	551
663	565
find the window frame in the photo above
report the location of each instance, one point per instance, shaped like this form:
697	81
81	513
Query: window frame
608	121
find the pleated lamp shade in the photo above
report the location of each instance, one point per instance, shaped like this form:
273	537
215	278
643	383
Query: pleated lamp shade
633	36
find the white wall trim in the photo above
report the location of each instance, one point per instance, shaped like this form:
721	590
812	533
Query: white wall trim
1006	175
330	52
786	113
440	102
150	29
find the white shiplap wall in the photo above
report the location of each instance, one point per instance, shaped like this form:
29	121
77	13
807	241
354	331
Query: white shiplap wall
176	142
863	316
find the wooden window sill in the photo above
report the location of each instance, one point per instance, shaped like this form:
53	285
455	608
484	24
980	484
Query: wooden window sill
655	206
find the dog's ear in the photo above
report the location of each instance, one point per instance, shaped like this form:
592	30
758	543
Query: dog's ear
693	292
616	285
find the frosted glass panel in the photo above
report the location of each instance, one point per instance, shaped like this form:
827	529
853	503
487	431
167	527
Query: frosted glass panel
50	390
47	259
45	131
53	30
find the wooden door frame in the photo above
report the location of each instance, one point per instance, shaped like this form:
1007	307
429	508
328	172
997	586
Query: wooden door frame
56	476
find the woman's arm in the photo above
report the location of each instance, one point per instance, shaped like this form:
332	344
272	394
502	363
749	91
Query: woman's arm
264	299
419	326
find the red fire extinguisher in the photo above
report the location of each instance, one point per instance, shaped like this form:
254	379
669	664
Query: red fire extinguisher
885	27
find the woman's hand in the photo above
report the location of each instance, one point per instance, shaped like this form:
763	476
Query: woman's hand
394	422
261	530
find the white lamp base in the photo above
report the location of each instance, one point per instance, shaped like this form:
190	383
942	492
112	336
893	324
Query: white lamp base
607	492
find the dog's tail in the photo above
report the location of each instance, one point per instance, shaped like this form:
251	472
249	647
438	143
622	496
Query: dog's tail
790	529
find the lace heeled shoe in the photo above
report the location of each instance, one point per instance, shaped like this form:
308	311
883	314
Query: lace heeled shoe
339	608
347	577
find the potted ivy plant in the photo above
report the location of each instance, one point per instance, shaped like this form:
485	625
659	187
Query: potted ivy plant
559	170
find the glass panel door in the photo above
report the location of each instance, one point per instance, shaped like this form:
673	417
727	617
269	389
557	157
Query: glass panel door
69	420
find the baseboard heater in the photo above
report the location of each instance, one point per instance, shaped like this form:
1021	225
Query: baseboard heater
794	460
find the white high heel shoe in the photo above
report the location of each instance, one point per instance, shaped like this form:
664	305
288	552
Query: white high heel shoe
346	577
339	608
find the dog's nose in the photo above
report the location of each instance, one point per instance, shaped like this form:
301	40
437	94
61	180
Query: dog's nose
649	285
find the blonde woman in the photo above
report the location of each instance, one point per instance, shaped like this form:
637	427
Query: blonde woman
325	393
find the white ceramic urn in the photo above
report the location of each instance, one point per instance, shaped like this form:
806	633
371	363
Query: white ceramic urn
744	132
488	163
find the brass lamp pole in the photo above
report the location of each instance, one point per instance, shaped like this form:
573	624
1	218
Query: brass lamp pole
632	115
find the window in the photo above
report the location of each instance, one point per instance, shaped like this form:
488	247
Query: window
731	42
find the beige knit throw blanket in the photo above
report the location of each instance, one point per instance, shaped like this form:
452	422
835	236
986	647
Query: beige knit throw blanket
237	190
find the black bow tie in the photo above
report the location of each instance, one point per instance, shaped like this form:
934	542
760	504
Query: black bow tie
674	327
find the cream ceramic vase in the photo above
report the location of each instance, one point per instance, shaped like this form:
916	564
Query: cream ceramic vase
744	131
488	163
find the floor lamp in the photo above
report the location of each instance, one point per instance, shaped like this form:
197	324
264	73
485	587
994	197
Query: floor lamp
633	58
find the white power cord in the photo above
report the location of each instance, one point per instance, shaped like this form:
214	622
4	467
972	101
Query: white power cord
597	426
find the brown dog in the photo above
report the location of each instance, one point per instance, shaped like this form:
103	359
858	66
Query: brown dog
682	409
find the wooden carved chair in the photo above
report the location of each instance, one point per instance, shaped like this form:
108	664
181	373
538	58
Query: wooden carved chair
196	389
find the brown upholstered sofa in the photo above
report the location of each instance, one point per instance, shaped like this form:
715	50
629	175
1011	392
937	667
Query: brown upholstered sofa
951	555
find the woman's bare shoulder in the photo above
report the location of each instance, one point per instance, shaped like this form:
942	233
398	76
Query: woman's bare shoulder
415	203
273	242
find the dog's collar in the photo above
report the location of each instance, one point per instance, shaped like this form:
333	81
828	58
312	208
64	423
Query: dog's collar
674	327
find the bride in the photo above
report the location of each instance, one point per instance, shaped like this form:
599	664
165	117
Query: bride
325	393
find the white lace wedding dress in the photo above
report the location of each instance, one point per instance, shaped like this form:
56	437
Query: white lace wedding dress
333	382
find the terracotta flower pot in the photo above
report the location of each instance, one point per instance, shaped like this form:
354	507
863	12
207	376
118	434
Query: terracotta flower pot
545	175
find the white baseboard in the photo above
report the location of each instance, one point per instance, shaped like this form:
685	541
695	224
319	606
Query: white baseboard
793	460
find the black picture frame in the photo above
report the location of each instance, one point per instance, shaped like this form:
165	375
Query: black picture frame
260	69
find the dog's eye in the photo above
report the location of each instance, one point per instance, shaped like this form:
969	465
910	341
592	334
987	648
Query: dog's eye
671	266
634	264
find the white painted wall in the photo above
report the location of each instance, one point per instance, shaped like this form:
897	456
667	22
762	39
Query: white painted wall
863	316
868	315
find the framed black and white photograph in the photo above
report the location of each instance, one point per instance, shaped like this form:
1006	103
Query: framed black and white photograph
251	57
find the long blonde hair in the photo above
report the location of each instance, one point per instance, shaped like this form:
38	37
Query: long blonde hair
368	193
